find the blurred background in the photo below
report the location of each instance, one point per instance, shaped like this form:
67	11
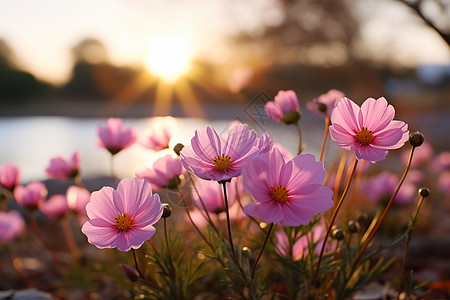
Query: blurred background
67	66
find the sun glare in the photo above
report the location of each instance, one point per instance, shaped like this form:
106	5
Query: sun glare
169	57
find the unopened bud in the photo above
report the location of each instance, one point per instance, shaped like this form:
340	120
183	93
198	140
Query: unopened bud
353	226
416	139
322	107
291	117
130	272
173	183
177	149
246	251
167	210
338	234
424	192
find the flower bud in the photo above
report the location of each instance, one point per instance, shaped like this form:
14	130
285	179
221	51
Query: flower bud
338	234
177	149
174	182
246	251
424	192
416	139
322	107
130	272
352	226
291	117
167	210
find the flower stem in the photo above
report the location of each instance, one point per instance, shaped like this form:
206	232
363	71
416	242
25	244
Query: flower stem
74	251
325	135
300	148
166	237
262	249
383	216
412	225
233	252
333	218
113	175
37	231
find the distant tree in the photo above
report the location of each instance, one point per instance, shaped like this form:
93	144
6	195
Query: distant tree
435	14
14	83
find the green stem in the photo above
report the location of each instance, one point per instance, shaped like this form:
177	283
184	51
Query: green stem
233	252
262	249
383	216
333	218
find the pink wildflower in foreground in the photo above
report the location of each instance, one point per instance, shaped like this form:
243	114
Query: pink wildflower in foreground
10	176
122	218
62	168
368	131
324	104
31	195
163	173
286	193
159	134
55	207
12	225
285	107
208	159
115	136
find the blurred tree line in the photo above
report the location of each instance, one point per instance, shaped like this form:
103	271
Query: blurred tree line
312	46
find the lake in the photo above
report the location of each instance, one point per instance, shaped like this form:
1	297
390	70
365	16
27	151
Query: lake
30	142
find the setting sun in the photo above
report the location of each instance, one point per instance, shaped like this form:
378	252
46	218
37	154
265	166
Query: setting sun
169	57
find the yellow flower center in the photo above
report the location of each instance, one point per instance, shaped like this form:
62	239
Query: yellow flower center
123	222
222	162
280	193
364	136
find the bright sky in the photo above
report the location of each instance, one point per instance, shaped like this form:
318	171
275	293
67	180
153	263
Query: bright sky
41	33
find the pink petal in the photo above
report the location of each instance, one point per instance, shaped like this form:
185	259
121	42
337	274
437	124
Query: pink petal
269	211
273	110
341	137
239	141
102	206
346	114
150	212
132	194
255	180
100	233
206	144
369	153
376	114
306	171
393	136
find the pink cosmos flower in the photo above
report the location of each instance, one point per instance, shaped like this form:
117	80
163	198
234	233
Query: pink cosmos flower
212	195
12	225
382	186
208	159
368	131
441	162
324	104
163	173
159	134
287	193
10	176
115	136
55	207
77	198
31	195
285	108
122	218
444	182
61	168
